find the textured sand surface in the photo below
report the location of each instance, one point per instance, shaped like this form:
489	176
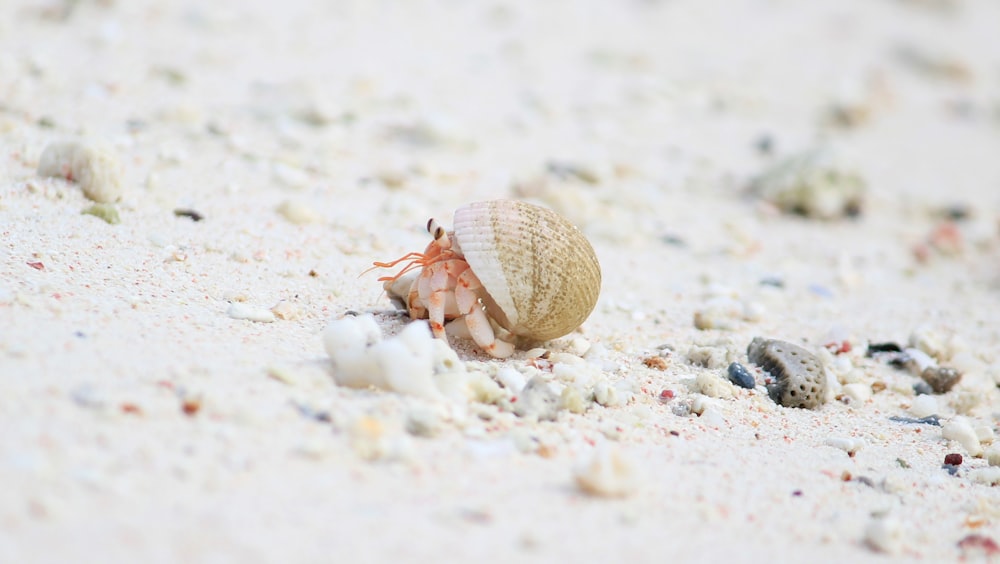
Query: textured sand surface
140	421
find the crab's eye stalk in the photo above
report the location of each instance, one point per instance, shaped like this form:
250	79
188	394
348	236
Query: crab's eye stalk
434	229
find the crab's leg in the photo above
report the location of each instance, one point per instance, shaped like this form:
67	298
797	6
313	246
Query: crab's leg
475	318
435	288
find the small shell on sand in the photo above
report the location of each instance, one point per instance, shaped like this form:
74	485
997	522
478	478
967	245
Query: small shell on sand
95	169
250	313
608	473
885	534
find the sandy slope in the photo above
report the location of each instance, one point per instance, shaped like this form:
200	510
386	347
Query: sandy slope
378	115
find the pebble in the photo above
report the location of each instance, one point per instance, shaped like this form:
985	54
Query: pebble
929	420
928	341
297	213
813	185
993	456
989	476
858	392
725	314
941	379
250	313
107	212
958	429
422	421
800	380
95	169
924	406
511	379
571	399
712	386
850	445
607	395
885	534
353	344
537	400
985	434
918	361
739	375
608	473
285	310
953	459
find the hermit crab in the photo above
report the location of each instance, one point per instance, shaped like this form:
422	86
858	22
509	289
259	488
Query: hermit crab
508	273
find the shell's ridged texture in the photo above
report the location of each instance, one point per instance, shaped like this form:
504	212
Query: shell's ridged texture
540	272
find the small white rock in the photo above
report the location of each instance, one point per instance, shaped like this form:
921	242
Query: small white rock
297	212
571	399
713	386
989	476
608	473
993	456
958	429
250	313
885	534
924	406
850	445
919	361
928	341
858	392
95	169
285	310
511	379
985	434
607	395
701	404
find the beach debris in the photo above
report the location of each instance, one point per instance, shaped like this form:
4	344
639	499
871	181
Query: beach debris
933	65
935	379
480	272
189	213
855	392
412	362
656	362
850	445
944	239
989	476
799	377
248	312
286	310
958	429
976	545
739	375
191	404
812	184
713	386
725	313
607	473
876	348
94	168
953	459
423	421
993	456
941	379
928	420
361	358
537	400
107	212
297	213
885	534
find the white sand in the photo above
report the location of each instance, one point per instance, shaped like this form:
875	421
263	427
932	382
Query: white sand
378	115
